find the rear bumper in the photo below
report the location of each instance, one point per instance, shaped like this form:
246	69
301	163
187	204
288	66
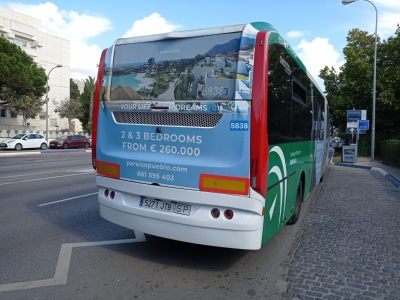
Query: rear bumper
243	231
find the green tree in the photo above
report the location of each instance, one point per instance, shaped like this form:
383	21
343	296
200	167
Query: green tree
68	108
198	58
27	106
88	128
151	61
86	100
74	92
189	81
351	86
22	83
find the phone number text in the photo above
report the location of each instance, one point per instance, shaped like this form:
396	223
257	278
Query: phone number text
151	175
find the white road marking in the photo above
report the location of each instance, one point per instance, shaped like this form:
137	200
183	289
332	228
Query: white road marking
88	170
61	171
29	180
64	259
58	162
58	201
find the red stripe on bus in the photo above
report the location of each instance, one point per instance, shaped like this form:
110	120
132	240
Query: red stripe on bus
258	127
96	106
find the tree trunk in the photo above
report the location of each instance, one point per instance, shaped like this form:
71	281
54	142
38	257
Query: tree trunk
90	108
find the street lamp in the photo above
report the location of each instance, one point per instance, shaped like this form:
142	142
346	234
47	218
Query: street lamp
47	102
345	2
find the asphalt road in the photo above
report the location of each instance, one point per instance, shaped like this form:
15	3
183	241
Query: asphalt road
54	245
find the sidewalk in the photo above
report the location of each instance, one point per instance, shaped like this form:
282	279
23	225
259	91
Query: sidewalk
391	174
348	243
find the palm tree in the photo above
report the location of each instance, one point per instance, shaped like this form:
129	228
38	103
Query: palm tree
189	81
182	78
90	84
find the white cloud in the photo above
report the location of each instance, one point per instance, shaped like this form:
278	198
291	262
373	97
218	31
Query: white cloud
76	28
294	34
388	3
316	55
388	16
152	24
387	23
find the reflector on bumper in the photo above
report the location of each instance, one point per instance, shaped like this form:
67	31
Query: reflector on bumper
108	169
224	184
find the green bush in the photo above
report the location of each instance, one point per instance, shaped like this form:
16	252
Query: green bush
390	152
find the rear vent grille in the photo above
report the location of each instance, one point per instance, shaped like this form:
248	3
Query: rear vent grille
168	118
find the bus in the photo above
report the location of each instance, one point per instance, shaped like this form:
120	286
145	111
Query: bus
211	136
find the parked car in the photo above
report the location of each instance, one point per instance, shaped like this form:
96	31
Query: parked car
70	141
24	141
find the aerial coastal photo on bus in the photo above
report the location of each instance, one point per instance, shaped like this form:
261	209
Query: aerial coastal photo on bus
198	68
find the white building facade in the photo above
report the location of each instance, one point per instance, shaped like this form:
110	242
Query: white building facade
47	51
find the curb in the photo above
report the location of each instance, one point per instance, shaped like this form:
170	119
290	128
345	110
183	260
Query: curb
393	180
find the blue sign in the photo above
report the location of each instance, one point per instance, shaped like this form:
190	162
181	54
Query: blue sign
354	115
363	124
351	130
354	131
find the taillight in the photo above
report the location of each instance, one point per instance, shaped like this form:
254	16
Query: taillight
228	214
215	213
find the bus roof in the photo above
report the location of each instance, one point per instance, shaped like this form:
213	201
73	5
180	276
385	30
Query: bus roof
258	26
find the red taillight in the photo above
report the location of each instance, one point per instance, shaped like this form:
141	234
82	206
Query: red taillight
215	213
106	192
228	214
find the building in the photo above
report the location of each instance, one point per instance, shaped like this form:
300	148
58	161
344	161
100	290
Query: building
47	51
80	84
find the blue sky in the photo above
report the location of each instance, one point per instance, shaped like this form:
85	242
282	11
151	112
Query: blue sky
316	29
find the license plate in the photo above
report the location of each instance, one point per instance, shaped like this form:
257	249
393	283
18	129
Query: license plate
177	208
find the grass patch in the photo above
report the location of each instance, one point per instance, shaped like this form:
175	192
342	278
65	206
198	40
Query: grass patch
336	159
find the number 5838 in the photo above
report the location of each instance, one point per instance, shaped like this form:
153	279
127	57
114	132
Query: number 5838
239	125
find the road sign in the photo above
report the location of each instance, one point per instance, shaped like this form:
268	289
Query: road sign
354	131
354	115
351	124
363	124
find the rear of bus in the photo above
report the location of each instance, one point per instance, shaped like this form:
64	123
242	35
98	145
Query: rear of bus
172	136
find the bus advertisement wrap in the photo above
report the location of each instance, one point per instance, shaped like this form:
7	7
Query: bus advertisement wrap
142	151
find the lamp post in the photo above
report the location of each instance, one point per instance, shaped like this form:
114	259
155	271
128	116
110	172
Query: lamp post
47	102
345	2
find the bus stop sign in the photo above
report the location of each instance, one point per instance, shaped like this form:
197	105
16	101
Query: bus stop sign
363	124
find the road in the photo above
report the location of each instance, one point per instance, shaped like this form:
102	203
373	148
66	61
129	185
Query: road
54	245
